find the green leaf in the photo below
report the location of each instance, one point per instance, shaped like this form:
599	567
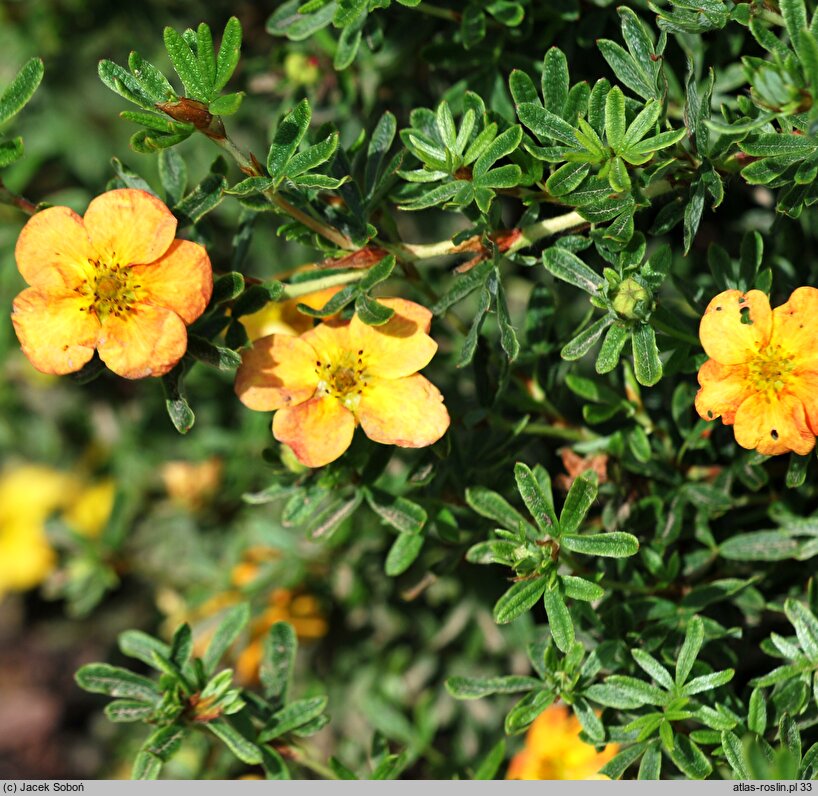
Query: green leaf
508	336
371	312
146	767
539	504
179	411
472	26
402	554
617	766
101	678
555	81
21	89
581	589
464	285
312	157
760	546
234	621
650	768
615	118
694	638
154	83
402	514
277	661
206	196
229	50
477	687
626	69
125	84
547	126
610	545
522	87
559	620
127	710
10	151
689	759
243	749
565	265
186	65
489	504
567	178
734	752
289	21
582	343
227	104
503	145
139	645
206	58
287	137
707	682
646	363
213	355
348	43
491	762
655	669
625	693
580	497
609	353
347	11
293	716
173	175
518	599
757	712
806	627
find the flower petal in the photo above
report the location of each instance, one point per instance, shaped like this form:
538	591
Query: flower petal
180	280
407	412
401	346
735	326
55	330
795	327
278	371
318	430
129	227
283	317
723	389
773	424
53	250
804	386
331	342
144	341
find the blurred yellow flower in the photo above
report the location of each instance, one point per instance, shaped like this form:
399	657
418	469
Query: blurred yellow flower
553	750
191	484
300	69
283	317
29	495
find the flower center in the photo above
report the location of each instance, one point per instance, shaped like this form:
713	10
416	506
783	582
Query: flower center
110	290
344	379
770	370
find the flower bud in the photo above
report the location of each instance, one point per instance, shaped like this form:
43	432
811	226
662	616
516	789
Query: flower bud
632	301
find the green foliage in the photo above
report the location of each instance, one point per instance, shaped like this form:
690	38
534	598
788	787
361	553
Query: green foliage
565	186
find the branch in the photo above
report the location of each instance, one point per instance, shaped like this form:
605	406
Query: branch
8	197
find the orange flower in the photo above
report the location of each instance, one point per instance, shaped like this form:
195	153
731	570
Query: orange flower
115	280
762	375
283	317
553	750
337	375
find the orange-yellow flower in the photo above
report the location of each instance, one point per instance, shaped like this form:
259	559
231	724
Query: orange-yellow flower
762	375
115	280
338	375
283	317
553	750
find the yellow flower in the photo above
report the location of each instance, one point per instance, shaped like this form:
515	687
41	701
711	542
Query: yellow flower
762	375
191	484
29	495
338	375
116	280
553	750
283	317
300	69
300	610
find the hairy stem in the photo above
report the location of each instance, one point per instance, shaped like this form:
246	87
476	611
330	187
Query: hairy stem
299	289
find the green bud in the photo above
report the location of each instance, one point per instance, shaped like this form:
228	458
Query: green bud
632	301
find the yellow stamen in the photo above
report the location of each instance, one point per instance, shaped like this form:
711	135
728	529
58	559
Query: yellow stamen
770	370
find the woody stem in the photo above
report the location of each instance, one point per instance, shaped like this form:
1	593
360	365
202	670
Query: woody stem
8	197
249	167
313	285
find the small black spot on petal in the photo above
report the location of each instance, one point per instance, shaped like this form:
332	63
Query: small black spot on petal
774	434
